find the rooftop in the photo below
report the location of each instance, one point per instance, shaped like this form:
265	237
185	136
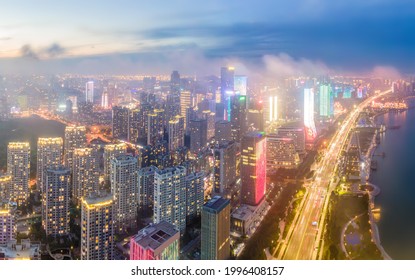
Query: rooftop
217	203
155	235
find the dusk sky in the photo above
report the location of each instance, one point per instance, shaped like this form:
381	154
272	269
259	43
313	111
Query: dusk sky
150	36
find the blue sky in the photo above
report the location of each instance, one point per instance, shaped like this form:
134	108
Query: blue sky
140	36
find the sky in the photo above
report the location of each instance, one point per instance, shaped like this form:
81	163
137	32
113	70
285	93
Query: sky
196	37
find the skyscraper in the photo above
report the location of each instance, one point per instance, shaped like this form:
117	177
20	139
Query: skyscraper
170	196
273	108
238	117
97	228
120	116
185	103
215	240
18	166
309	123
226	89
49	154
124	187
194	195
175	129
89	92
146	188
240	85
155	127
198	134
326	99
55	210
175	82
85	177
223	131
156	242
253	169
224	166
112	151
75	137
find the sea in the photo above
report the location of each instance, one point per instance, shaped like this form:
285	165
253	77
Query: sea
395	175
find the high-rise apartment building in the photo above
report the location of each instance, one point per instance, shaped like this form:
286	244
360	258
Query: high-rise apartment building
18	166
146	188
49	154
194	195
198	134
7	224
85	177
75	137
89	92
224	166
120	117
175	130
155	127
112	151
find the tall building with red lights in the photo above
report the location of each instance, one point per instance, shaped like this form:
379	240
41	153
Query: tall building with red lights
253	168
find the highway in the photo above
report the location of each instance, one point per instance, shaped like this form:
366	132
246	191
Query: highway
305	233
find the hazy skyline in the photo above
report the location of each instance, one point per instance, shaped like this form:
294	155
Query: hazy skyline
149	37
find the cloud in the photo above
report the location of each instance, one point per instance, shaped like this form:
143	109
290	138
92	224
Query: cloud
55	50
385	72
26	51
5	38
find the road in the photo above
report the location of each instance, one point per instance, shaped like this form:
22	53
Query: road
306	232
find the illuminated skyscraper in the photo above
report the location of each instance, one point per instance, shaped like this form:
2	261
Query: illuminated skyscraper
185	103
296	133
155	127
215	240
198	134
49	154
156	242
104	99
175	129
170	196
75	137
120	116
223	131
326	101
281	153
7	224
253	169
112	151
240	85
146	188
89	92
273	108
124	187
55	210
97	228
224	166
18	166
194	195
85	176
238	117
226	90
309	123
175	83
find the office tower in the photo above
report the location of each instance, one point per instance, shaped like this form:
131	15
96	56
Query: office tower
104	99
49	154
326	100
240	85
272	108
198	135
296	133
175	129
238	117
226	90
223	132
7	224
112	151
155	127
146	188
194	195
224	166
210	119
215	241
124	187
156	242
89	92
18	166
97	228
175	82
85	176
185	103
253	169
5	187
75	137
120	122
281	153
309	123
172	106
55	207
170	197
